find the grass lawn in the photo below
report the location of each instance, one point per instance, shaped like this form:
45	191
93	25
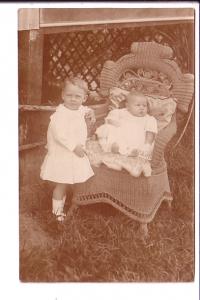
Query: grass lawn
100	244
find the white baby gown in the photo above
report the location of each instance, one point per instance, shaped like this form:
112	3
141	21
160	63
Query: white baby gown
129	132
129	135
66	130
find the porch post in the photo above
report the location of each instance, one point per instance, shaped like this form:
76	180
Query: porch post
30	44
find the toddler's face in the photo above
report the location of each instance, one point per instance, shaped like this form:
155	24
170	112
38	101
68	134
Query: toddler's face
137	105
73	96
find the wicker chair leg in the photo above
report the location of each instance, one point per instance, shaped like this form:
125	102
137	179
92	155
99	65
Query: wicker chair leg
143	230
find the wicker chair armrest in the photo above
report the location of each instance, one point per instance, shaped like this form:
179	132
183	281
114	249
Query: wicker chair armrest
162	139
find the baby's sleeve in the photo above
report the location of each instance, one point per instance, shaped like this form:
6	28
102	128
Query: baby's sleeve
151	125
113	115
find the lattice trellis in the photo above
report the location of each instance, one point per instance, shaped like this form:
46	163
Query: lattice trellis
84	52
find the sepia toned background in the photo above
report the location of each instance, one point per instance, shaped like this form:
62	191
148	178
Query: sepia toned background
53	44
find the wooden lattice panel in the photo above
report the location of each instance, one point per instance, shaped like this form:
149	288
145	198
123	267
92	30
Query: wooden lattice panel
85	52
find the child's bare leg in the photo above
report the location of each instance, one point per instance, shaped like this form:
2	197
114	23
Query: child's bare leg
59	191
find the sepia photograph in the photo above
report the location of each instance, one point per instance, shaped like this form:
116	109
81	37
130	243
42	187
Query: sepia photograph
106	100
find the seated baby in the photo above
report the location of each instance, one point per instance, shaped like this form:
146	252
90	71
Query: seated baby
130	132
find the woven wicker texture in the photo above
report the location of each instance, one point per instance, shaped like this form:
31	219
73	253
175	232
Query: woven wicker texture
134	196
149	55
139	198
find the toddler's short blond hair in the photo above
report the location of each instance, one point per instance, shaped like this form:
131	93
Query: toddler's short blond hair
82	84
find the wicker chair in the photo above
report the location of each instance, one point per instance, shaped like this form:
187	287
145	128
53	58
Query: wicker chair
138	198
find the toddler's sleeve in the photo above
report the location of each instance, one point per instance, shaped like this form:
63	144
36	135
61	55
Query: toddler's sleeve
62	133
151	125
113	115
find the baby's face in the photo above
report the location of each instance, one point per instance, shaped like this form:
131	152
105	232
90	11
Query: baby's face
73	96
137	105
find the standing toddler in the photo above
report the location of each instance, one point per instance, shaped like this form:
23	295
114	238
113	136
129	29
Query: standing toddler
66	162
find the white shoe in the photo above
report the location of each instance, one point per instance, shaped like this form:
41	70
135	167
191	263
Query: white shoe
57	209
61	217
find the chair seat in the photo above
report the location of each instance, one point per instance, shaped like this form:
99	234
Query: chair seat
138	198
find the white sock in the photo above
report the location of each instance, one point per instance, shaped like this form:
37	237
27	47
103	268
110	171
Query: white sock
57	206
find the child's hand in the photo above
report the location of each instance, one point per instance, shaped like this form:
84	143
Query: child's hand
90	115
79	150
115	148
146	152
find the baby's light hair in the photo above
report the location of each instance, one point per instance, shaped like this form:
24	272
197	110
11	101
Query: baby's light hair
135	93
82	84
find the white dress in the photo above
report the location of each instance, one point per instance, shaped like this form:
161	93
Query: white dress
66	130
129	135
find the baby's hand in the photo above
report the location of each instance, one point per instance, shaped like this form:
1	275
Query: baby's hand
134	153
79	150
115	148
113	122
146	152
